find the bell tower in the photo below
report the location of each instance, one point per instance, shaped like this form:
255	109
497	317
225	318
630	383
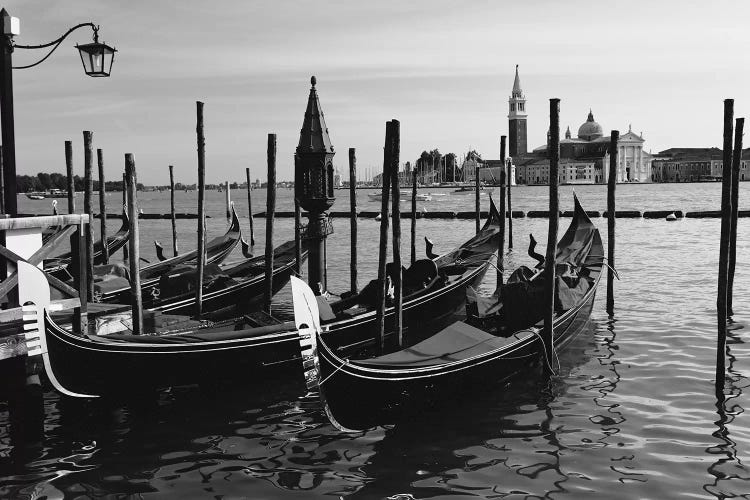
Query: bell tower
517	120
313	187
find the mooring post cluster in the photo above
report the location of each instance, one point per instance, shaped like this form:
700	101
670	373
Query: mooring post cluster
728	237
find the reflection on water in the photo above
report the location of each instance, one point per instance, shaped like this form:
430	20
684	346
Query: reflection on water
728	465
632	414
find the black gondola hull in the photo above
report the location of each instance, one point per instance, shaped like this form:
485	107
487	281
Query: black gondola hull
118	363
355	402
99	367
361	391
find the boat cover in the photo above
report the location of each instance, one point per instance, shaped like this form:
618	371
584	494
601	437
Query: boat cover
456	342
195	337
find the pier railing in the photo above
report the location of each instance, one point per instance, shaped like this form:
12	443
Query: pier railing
22	242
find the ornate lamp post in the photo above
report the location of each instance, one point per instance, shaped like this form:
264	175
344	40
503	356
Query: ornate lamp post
97	59
313	187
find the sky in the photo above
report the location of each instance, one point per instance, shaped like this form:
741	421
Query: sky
444	69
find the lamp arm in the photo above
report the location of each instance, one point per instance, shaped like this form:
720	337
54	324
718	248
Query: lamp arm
55	44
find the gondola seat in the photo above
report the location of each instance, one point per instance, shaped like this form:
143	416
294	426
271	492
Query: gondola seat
325	310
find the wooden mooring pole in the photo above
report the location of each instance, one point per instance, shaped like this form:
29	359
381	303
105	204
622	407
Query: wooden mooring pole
171	211
414	216
297	237
270	214
611	185
69	173
88	202
396	194
739	126
383	248
134	244
102	206
726	213
201	256
353	286
228	201
509	178
125	209
478	213
250	207
554	214
501	243
2	182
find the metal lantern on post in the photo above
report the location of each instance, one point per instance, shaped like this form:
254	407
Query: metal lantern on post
97	58
313	187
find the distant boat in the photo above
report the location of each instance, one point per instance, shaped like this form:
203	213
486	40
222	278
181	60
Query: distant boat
467	189
52	193
404	196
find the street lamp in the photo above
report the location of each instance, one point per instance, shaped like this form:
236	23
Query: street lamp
97	59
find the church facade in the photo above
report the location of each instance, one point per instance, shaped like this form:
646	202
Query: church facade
584	159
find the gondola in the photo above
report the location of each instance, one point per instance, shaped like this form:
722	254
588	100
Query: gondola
228	290
112	287
488	346
58	265
114	364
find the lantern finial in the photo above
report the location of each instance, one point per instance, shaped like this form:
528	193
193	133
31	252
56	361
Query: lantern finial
313	81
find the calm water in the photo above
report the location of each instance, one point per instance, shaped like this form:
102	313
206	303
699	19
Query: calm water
631	413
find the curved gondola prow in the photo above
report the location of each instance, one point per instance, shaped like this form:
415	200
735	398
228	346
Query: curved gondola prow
307	322
159	251
114	242
428	249
34	294
246	249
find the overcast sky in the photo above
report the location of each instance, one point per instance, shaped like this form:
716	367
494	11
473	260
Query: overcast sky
444	69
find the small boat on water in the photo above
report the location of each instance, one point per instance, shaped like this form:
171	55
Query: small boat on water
115	364
467	189
501	337
52	193
403	196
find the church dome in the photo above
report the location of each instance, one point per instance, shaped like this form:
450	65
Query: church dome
590	130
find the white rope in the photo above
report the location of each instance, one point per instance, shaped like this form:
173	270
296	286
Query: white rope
332	374
535	331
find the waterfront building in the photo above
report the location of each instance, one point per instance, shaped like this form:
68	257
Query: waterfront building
583	159
694	165
469	167
490	172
